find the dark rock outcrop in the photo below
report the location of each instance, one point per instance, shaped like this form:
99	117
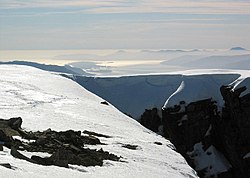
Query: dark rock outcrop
95	134
6	165
233	130
131	147
151	119
214	144
105	103
188	127
65	147
62	157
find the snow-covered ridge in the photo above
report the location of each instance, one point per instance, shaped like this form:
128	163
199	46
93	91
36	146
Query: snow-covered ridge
134	94
204	86
52	101
52	68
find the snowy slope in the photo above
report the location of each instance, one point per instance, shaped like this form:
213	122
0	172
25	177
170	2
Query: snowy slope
134	94
203	84
52	68
47	100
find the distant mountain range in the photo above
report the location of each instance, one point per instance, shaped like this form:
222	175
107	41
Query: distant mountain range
211	62
238	49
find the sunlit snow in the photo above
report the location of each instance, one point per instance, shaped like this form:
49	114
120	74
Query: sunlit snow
47	100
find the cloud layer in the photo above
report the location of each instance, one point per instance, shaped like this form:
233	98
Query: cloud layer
140	6
81	24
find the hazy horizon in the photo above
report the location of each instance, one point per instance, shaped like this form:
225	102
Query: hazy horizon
111	57
120	24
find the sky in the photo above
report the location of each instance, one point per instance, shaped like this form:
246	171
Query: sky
124	24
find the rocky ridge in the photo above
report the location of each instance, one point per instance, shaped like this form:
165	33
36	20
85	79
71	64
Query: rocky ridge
215	143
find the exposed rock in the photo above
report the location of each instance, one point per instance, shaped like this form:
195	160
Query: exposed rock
15	123
49	140
66	147
59	158
105	103
187	128
213	143
86	157
10	127
131	147
158	143
18	155
233	131
151	119
95	134
7	165
4	138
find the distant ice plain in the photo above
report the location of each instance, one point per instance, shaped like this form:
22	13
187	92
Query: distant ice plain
112	62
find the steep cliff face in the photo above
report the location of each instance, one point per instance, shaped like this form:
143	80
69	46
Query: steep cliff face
214	143
234	130
151	119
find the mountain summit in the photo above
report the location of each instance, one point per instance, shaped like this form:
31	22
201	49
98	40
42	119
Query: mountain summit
46	100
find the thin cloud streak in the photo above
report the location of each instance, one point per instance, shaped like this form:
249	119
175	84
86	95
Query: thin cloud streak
179	7
14	4
140	6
